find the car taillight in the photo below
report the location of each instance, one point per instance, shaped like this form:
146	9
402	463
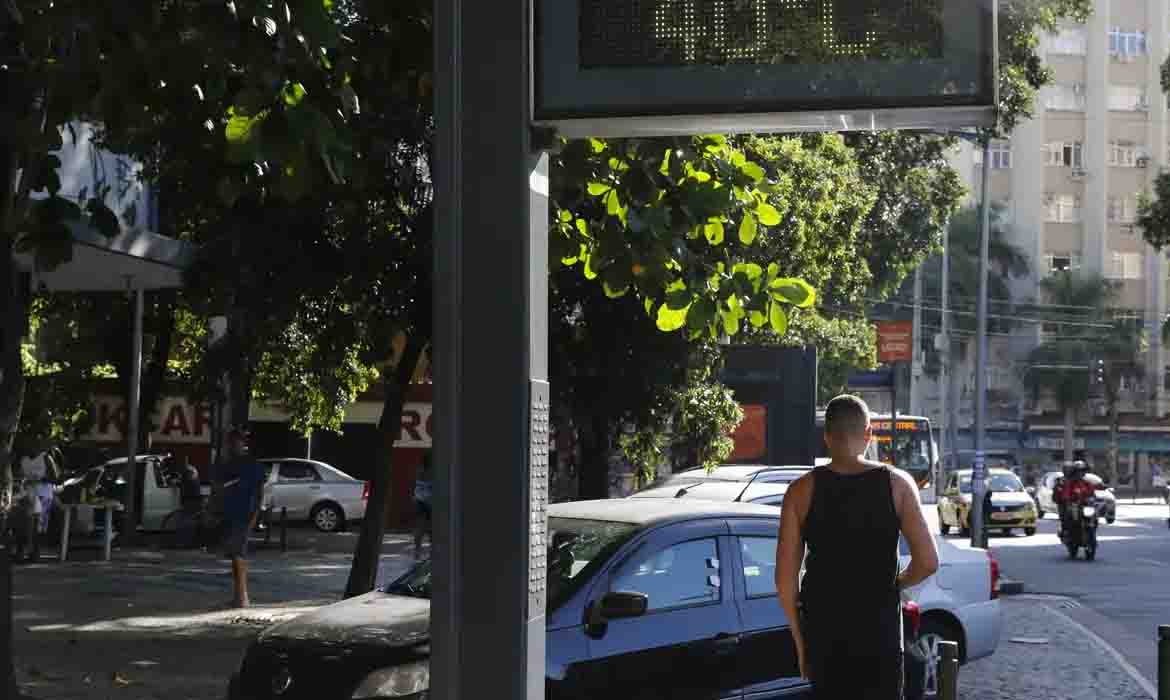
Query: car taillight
994	575
912	616
366	491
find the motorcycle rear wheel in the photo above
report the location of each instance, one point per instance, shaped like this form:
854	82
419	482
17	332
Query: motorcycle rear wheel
1090	553
1072	551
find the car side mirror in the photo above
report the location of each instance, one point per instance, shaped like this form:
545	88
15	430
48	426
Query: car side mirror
615	605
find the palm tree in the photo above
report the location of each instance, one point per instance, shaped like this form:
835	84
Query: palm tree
1088	345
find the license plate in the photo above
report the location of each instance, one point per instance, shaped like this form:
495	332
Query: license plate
1003	516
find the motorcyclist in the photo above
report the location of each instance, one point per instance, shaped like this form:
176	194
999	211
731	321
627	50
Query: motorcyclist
1071	490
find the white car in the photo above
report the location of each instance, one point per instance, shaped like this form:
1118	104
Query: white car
960	603
314	491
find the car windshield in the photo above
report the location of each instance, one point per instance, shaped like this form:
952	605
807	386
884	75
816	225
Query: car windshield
576	549
996	483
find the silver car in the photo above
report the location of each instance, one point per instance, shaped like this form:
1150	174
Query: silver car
314	491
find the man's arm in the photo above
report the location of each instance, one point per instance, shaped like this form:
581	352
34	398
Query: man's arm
923	551
789	557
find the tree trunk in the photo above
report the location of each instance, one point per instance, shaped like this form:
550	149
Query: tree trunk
1070	431
593	474
363	575
155	374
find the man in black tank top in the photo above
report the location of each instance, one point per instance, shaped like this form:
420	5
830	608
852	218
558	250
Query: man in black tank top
845	614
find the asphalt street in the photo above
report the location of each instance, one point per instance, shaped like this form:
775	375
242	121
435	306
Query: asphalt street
1122	596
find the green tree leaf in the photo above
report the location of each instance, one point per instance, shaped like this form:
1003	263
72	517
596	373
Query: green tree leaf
778	318
748	229
768	214
293	94
793	291
713	230
597	188
671	319
755	172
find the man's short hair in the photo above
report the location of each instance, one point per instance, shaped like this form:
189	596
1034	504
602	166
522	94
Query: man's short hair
846	415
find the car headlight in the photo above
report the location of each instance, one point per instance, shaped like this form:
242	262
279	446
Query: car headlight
409	681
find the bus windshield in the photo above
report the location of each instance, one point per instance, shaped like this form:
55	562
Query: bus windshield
914	451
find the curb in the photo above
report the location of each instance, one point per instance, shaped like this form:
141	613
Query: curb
1010	587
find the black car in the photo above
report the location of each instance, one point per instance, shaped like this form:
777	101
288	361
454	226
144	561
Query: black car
650	598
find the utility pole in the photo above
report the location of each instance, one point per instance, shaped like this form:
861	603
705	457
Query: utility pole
916	351
979	473
944	372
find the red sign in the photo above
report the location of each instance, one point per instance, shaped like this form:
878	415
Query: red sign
751	437
895	341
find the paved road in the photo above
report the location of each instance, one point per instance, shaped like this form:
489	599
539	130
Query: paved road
1122	596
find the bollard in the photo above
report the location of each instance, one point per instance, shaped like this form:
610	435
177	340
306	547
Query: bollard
284	529
1163	662
948	671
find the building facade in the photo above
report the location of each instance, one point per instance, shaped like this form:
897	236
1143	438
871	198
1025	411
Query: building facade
1069	180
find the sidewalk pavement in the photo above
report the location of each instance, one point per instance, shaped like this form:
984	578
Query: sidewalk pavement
1044	655
152	623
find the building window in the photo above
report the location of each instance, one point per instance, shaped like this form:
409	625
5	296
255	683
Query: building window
1063	262
1122	210
1064	155
1069	41
1125	45
1127	98
1001	155
1064	208
1067	97
1125	266
1126	154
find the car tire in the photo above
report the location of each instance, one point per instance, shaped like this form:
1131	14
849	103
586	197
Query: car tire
327	517
1111	519
944	528
1029	531
933	631
1039	513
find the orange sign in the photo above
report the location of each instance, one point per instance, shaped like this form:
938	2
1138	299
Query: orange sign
751	437
895	341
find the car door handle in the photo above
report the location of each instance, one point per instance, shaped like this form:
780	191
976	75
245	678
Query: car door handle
725	643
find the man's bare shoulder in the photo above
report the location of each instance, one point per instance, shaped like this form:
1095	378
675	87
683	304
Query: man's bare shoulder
903	483
801	489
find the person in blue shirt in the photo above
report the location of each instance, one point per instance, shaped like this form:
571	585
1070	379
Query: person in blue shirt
243	485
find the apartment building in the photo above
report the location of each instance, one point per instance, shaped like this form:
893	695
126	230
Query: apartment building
1070	179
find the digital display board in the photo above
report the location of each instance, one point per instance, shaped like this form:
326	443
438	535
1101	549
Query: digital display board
657	67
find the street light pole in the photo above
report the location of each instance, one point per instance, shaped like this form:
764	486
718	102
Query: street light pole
979	473
944	373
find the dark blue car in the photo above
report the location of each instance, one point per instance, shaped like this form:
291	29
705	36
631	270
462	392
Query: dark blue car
670	598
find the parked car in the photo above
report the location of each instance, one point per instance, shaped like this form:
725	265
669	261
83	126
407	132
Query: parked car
157	493
959	603
1048	505
1011	505
314	491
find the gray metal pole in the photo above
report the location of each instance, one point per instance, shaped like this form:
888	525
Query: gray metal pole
916	349
1163	662
490	355
948	671
944	374
130	521
979	474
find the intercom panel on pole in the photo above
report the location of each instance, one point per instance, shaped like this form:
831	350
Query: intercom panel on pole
658	67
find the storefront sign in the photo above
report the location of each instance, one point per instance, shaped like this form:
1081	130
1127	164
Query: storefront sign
176	421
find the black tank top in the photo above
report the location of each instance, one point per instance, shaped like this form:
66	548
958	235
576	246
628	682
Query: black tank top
849	592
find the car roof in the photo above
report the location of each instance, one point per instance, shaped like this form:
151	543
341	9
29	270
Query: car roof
730	472
727	491
994	470
647	512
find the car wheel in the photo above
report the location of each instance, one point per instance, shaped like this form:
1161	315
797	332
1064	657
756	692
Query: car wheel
1039	513
327	518
934	631
1029	531
944	528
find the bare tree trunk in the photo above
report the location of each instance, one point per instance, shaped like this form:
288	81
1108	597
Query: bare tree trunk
155	374
363	574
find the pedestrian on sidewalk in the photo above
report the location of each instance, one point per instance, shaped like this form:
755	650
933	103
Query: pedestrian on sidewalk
845	614
242	480
422	504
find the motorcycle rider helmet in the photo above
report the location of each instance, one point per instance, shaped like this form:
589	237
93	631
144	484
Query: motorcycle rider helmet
1079	469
